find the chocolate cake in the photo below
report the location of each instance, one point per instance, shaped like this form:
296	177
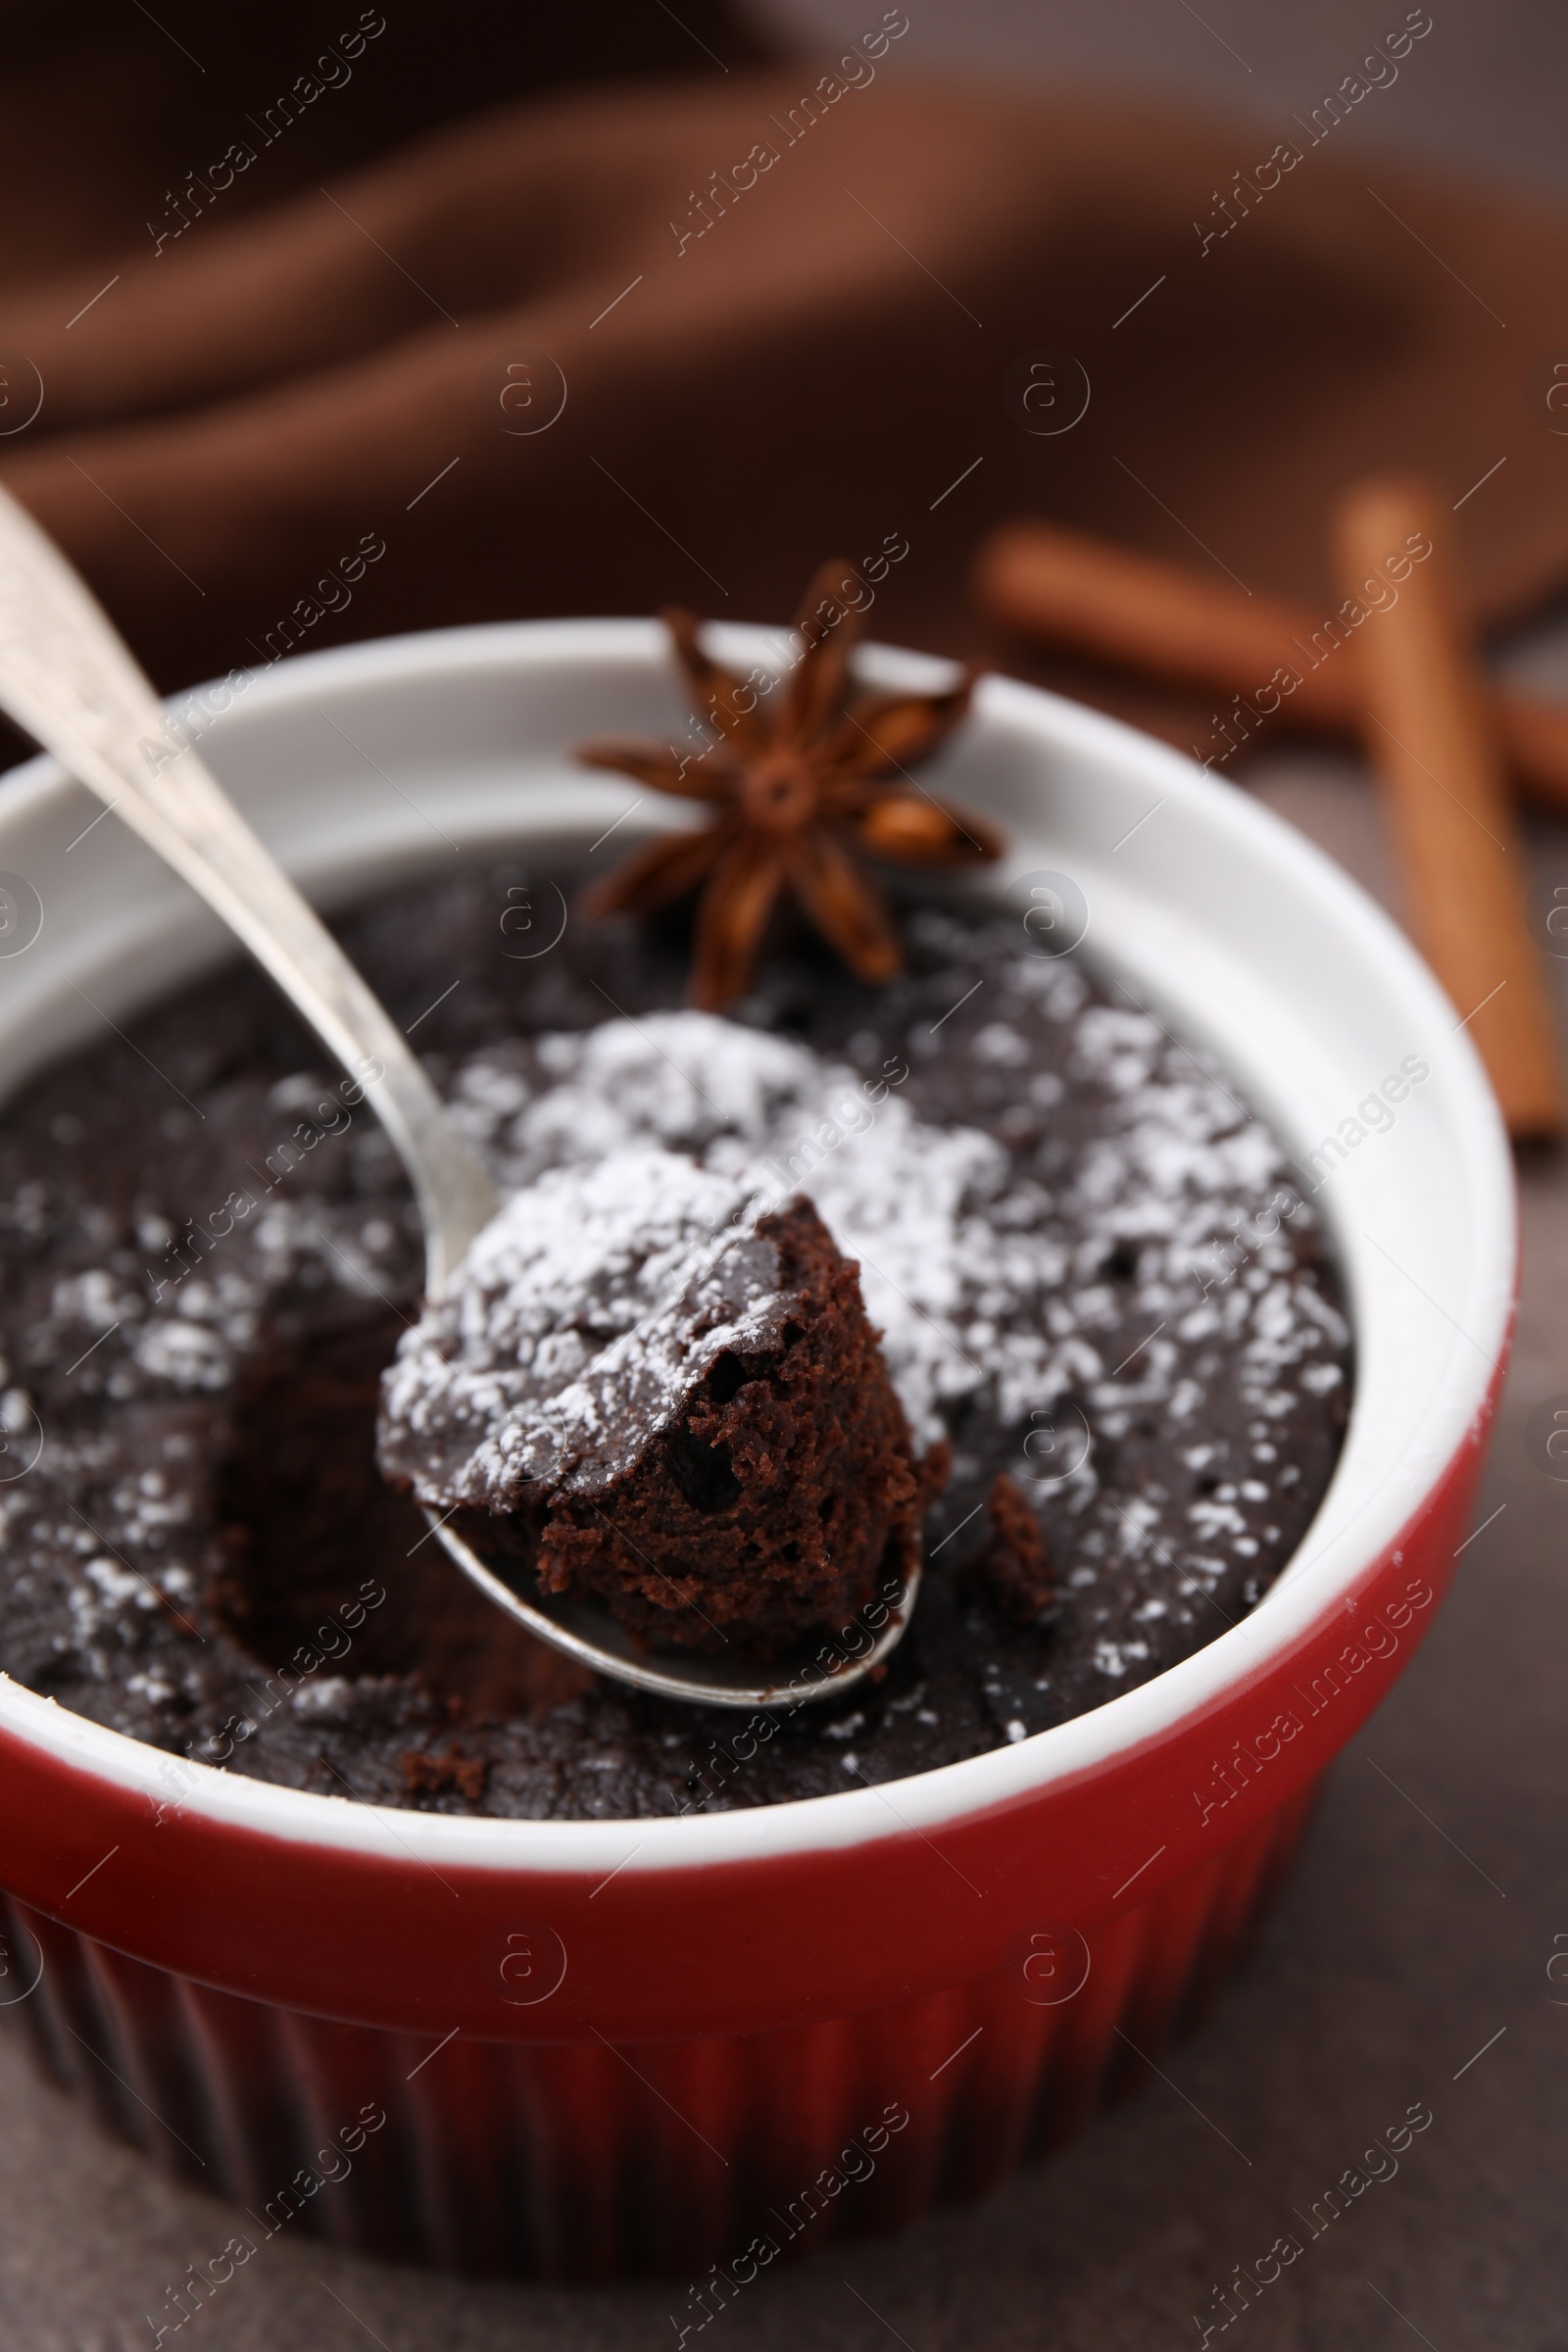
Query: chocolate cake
1094	1275
639	1388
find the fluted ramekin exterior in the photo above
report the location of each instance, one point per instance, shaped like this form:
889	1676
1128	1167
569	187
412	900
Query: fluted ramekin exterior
587	2161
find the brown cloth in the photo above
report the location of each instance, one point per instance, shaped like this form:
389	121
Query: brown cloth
783	312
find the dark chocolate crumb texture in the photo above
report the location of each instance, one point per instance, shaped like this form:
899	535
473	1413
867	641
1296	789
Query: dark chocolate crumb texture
649	1386
1109	1334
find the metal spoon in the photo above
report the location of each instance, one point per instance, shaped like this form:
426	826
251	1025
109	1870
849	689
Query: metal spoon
69	678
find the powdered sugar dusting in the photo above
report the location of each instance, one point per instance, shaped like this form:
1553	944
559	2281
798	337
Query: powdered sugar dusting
1050	1196
581	1317
985	1281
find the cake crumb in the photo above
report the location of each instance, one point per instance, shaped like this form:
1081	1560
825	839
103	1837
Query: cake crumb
1013	1569
428	1775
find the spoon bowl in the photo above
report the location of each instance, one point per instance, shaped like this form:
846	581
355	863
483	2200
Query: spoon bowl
594	1638
67	678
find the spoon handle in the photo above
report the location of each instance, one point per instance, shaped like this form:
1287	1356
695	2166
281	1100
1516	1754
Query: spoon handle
69	678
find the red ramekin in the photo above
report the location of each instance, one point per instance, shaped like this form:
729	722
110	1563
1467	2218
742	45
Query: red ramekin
586	2050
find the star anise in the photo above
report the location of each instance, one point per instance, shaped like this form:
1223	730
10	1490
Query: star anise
805	782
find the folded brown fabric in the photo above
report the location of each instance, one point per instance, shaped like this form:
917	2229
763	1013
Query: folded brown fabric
601	351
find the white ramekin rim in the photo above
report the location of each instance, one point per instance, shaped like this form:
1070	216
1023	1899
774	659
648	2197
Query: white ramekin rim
1457	1114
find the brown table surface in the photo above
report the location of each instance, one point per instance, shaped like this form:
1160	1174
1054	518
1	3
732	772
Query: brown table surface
1415	1932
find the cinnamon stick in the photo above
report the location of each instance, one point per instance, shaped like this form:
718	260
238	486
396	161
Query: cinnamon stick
1260	654
1430	731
